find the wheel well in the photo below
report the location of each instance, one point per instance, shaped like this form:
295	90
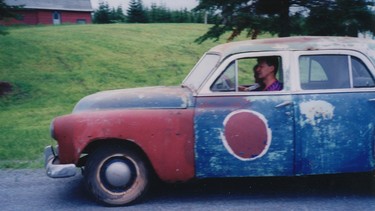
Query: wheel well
111	142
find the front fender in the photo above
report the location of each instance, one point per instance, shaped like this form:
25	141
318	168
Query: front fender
165	135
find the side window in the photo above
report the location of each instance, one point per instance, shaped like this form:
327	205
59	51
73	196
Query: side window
361	75
246	71
333	72
324	72
242	75
227	80
311	71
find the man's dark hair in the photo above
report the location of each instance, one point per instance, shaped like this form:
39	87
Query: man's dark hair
270	61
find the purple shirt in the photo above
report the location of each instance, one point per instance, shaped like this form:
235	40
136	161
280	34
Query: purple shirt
275	86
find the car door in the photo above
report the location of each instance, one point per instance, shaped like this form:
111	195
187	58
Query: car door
334	113
243	133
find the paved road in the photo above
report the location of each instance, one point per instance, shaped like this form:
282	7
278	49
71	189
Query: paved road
33	190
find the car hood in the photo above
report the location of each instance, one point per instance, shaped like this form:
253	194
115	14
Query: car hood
137	98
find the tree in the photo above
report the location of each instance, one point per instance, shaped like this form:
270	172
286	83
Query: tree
136	13
340	17
254	16
7	11
159	14
278	11
101	15
117	15
277	17
106	15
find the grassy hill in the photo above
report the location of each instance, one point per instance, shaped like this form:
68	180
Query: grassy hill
51	67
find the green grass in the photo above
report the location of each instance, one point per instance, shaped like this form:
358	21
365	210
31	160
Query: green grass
52	67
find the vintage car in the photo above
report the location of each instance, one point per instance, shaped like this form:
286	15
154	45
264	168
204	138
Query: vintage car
321	122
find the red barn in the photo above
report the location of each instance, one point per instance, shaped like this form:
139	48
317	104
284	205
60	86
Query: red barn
33	12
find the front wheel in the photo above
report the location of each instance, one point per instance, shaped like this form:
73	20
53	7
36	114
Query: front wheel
116	176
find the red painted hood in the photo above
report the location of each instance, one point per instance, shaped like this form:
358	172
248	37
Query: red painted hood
137	98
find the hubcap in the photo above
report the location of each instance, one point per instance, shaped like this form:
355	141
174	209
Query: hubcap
118	173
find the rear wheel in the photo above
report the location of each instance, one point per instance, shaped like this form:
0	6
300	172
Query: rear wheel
116	175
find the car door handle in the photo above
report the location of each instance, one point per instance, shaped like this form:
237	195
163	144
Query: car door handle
372	100
286	103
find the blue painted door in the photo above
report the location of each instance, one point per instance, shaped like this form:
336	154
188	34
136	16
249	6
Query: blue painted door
247	135
335	115
335	132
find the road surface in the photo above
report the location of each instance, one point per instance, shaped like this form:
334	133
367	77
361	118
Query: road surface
33	190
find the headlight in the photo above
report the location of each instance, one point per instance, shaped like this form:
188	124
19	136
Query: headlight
52	129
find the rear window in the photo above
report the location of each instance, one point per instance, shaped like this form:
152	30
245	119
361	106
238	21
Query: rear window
333	72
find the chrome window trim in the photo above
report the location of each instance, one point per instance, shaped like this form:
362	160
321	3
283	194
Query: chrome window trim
296	85
285	55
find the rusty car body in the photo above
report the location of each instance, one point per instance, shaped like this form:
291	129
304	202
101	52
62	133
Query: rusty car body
321	122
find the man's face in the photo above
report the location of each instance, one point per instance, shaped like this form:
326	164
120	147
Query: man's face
264	70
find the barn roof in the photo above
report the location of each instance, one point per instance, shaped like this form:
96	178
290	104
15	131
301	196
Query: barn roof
70	5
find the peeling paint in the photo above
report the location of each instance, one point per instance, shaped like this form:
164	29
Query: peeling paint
194	133
315	111
136	98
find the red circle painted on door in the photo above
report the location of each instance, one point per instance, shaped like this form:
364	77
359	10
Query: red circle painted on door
246	134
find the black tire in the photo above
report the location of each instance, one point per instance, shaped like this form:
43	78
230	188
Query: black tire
116	175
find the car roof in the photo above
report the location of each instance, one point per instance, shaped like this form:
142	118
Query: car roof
295	44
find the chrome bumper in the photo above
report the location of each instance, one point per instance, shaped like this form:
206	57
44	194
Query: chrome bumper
52	166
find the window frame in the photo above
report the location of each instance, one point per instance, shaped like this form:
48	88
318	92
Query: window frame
190	79
337	70
367	69
349	53
284	58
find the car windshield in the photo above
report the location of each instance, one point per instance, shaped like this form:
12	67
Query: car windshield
200	72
